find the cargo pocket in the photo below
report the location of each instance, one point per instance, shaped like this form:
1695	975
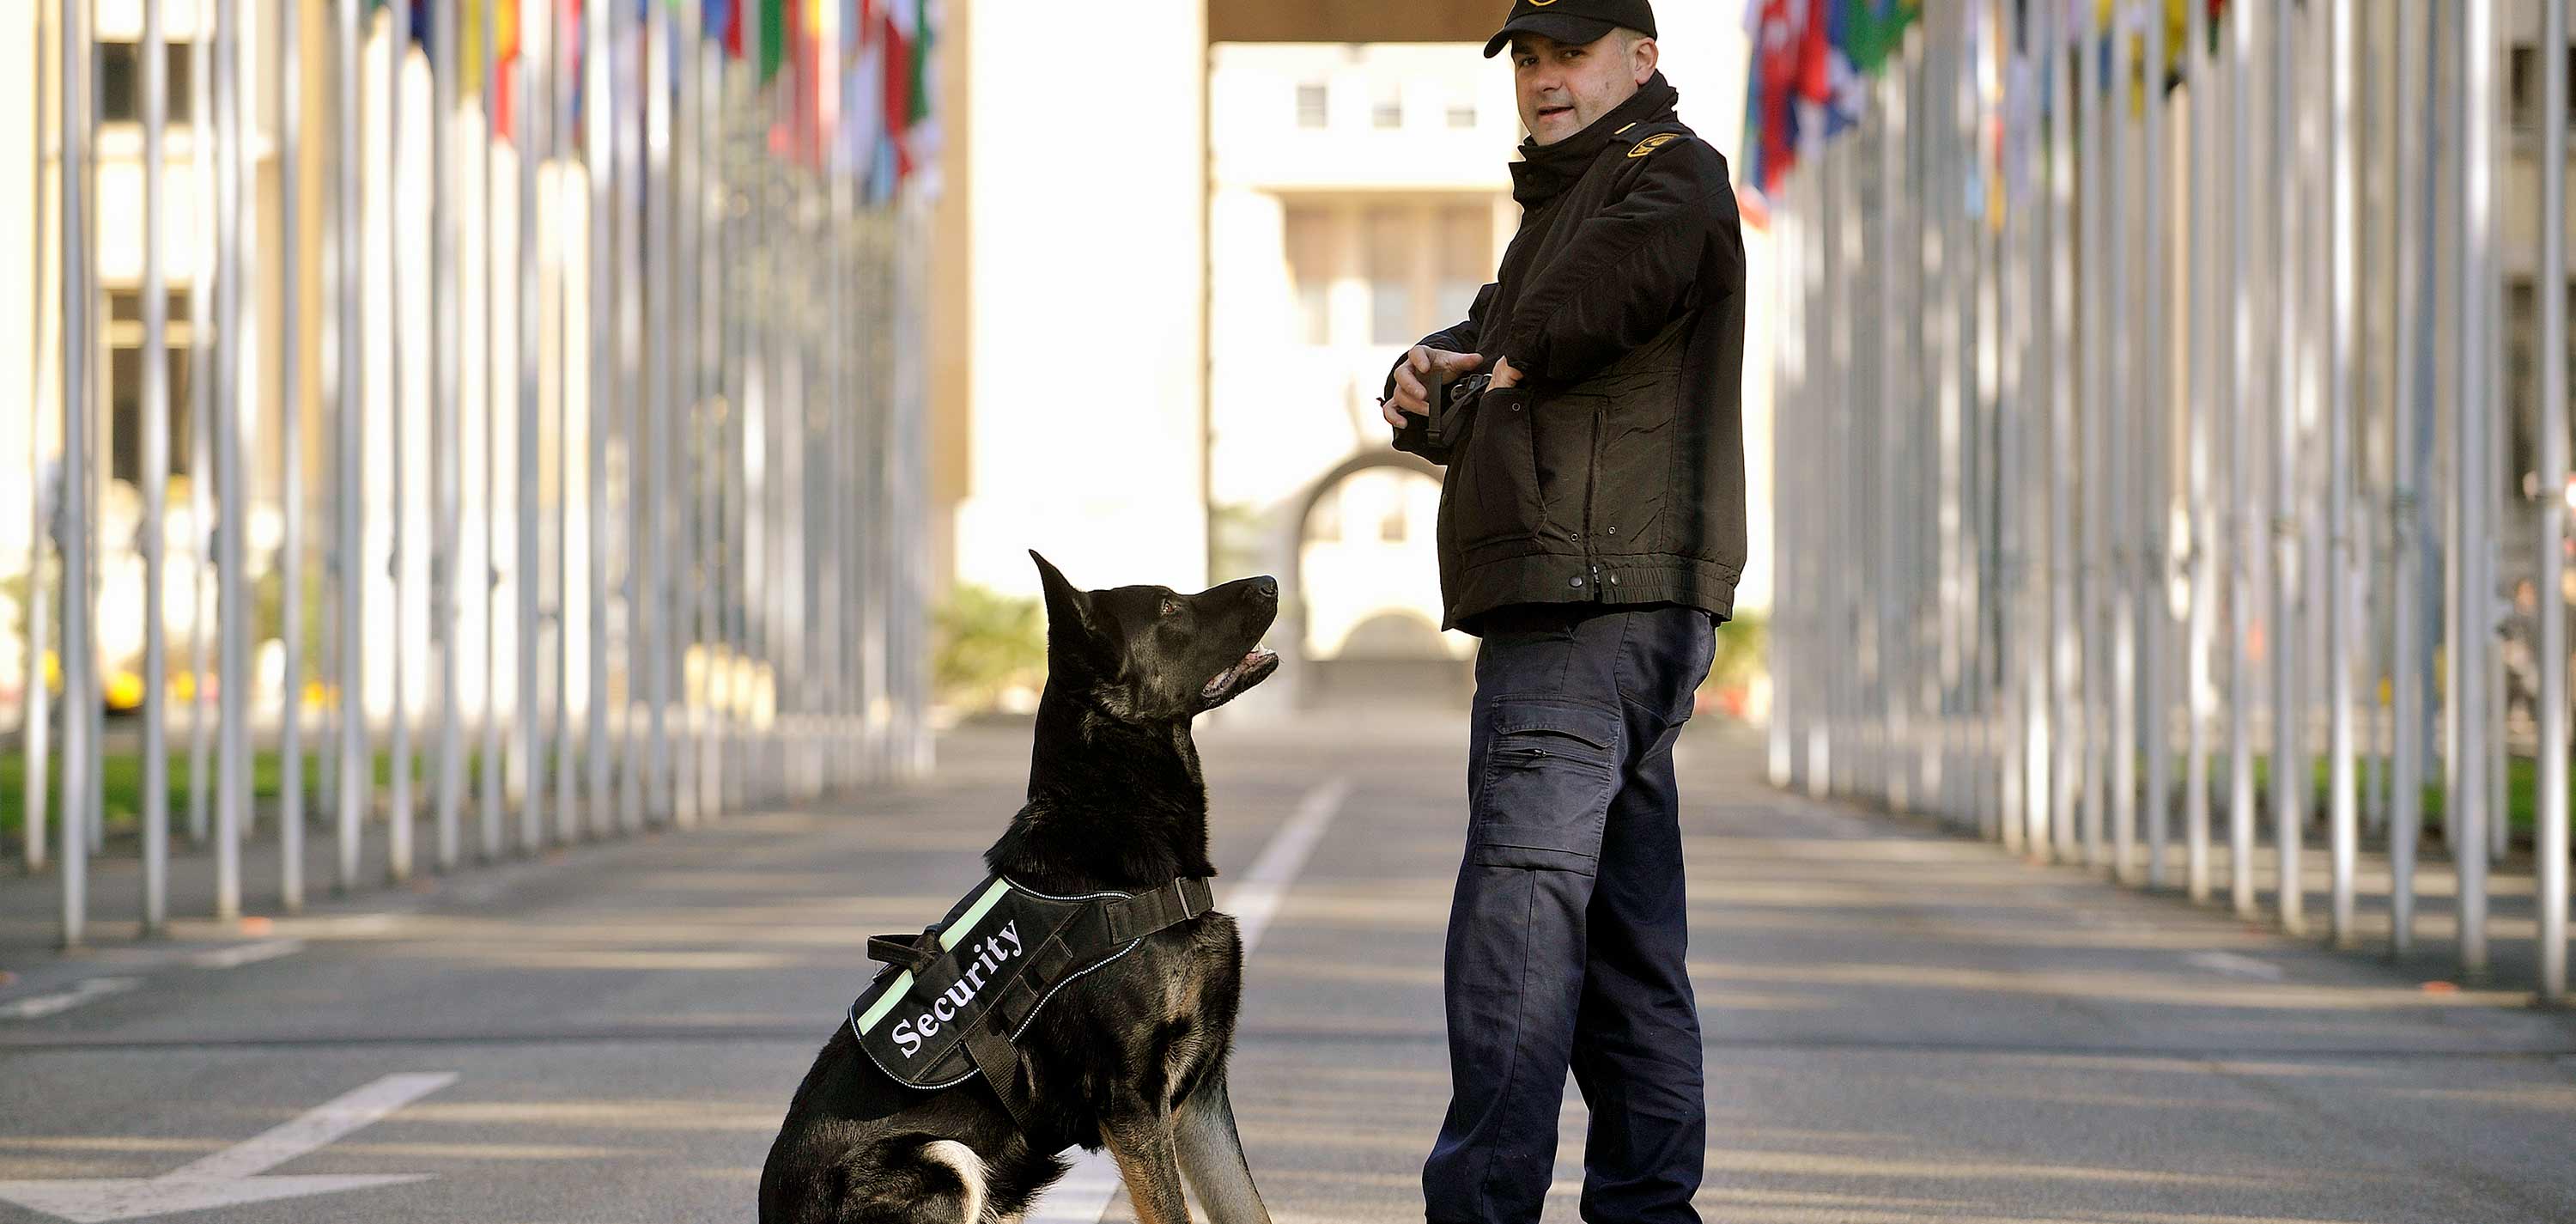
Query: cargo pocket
1549	772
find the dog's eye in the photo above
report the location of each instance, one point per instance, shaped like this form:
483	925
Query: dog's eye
1171	606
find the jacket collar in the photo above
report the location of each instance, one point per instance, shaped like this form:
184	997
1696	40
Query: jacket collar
1545	171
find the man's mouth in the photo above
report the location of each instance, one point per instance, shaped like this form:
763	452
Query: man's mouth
1227	679
1551	112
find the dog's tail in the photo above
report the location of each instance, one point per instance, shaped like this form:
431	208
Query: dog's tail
969	1168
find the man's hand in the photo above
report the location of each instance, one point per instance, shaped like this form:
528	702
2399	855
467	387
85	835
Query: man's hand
1504	374
1412	393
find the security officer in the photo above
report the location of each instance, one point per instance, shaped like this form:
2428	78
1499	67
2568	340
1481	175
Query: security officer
1591	532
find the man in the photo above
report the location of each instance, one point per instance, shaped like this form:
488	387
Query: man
1591	530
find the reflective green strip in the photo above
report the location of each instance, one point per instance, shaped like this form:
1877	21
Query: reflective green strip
949	938
885	1002
965	924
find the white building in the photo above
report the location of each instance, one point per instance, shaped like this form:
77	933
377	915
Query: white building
1186	287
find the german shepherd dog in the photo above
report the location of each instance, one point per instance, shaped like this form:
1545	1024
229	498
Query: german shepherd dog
1133	1055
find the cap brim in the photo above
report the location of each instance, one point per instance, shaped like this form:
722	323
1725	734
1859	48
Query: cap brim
1563	27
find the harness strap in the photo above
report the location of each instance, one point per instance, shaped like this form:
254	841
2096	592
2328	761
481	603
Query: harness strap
1169	906
1002	1067
915	953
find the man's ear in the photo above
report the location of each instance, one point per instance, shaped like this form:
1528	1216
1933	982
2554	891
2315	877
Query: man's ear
1067	606
1644	56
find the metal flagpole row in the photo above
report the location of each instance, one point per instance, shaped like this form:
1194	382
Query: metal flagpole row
604	510
2143	579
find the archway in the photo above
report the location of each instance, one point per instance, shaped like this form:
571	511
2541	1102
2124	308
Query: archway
1360	563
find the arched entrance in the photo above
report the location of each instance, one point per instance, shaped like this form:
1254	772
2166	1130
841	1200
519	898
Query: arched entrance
1363	570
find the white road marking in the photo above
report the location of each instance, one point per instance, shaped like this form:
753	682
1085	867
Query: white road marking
36	1007
2233	965
233	1175
1083	1196
246	954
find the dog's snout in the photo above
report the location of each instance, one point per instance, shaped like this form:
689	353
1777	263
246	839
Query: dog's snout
1266	587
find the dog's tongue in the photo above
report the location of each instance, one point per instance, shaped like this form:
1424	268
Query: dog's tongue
1251	659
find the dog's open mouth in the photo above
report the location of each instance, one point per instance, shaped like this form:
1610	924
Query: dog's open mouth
1258	660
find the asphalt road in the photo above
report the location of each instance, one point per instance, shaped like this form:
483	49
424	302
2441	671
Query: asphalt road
1901	1026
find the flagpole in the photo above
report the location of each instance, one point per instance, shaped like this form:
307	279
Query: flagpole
2342	586
2067	723
2471	635
2247	528
561	137
290	442
486	579
2115	421
706	469
70	515
635	394
2552	818
599	154
204	330
686	328
398	448
2413	450
232	795
357	782
444	418
527	114
154	479
2156	567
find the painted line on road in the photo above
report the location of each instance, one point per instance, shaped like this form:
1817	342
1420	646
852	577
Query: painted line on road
2233	965
246	954
36	1007
1082	1197
237	1174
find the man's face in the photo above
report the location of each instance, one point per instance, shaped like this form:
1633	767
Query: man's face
1563	87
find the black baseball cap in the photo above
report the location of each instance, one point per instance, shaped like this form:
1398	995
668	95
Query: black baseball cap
1578	22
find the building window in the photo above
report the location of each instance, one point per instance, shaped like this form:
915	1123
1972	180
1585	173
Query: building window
1310	275
1466	260
2522	357
1314	106
1462	114
2522	91
120	82
125	384
1387	113
1393	241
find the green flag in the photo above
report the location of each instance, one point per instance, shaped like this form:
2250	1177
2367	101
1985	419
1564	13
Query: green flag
773	37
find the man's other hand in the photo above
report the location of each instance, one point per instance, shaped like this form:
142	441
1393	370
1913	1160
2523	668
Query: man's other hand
1412	394
1504	374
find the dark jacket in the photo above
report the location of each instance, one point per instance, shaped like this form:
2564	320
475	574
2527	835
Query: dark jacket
1615	471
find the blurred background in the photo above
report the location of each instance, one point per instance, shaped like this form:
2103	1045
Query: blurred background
646	373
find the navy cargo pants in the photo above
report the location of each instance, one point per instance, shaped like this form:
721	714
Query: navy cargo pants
1567	935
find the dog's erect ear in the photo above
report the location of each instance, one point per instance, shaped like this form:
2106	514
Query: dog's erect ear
1067	606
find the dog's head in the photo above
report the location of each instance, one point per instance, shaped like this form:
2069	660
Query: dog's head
1152	654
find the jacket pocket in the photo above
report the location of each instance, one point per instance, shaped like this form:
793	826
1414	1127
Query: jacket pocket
1544	792
1498	473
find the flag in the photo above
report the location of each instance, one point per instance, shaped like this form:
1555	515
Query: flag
506	15
572	51
1779	36
1875	29
732	24
817	49
773	38
862	134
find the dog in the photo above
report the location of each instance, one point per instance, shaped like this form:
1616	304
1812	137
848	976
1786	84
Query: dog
1131	1055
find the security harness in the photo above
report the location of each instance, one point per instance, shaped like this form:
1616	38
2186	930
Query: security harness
953	1001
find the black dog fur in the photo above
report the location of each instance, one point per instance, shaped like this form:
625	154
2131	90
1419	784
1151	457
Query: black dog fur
1132	1056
